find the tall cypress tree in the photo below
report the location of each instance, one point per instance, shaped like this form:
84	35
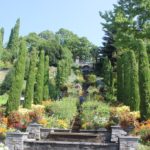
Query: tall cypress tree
1	44
30	80
13	43
144	81
134	82
1	38
2	34
18	78
120	79
38	94
127	80
107	72
46	79
59	77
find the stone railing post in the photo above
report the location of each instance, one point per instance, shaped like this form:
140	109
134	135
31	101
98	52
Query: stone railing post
128	143
117	131
14	140
34	131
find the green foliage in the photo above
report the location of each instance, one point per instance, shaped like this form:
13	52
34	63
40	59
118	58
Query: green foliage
46	79
52	89
80	47
3	99
92	79
63	69
18	78
1	41
144	81
7	82
61	74
128	88
123	27
108	80
2	34
38	94
5	55
127	79
120	79
145	136
64	109
13	43
29	92
134	82
107	72
94	114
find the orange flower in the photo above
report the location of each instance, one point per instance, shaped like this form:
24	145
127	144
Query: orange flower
5	120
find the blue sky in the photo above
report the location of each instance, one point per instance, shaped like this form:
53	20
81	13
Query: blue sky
79	16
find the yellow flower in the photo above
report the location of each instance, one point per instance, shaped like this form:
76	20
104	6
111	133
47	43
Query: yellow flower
136	114
3	130
62	123
123	109
43	121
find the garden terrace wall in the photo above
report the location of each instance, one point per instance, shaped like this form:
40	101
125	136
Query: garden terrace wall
23	141
51	145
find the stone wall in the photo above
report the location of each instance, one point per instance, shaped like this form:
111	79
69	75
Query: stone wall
52	145
15	140
36	139
116	132
128	143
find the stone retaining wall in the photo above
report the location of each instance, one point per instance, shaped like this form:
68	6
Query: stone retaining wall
35	139
38	145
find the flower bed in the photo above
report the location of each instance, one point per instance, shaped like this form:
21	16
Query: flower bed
61	113
94	115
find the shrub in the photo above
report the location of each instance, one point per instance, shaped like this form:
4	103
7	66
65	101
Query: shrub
7	82
94	114
143	129
14	120
92	79
3	99
63	110
123	116
79	79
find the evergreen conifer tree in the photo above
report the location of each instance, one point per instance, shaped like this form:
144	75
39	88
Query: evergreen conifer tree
13	43
46	79
2	33
107	72
1	41
1	45
38	94
144	81
134	100
127	79
120	78
18	78
29	92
